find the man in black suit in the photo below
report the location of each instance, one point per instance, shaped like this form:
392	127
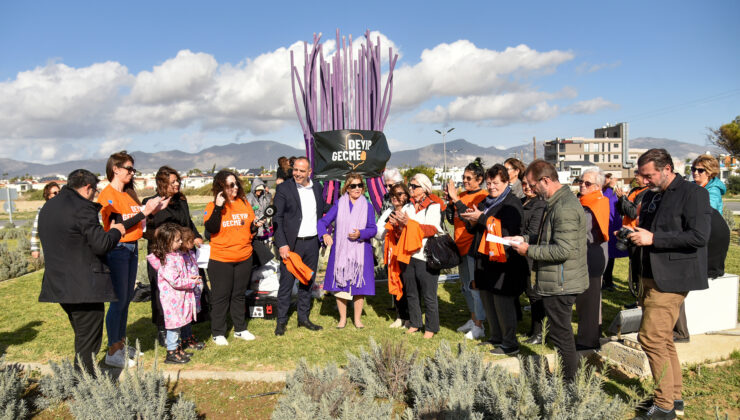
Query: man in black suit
299	206
76	275
672	234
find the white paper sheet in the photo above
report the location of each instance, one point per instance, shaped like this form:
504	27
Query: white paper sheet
204	253
500	240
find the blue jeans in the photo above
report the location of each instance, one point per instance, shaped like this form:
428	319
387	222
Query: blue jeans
472	296
173	336
122	261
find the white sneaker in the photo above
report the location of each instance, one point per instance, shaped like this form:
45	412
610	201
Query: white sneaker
398	323
220	340
466	326
118	359
475	333
244	335
132	352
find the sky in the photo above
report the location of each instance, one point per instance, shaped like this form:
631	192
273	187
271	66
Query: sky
86	79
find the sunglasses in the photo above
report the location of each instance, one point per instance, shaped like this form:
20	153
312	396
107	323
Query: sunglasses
414	186
389	186
130	169
700	170
587	183
467	178
231	185
353	186
52	194
399	195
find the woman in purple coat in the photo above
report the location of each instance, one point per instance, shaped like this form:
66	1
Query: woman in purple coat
351	276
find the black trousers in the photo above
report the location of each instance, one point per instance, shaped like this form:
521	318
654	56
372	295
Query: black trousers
419	282
588	307
229	282
401	305
501	317
608	273
537	308
87	323
157	312
559	310
308	250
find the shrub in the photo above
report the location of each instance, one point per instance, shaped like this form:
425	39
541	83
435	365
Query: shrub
13	384
325	394
384	371
729	218
136	394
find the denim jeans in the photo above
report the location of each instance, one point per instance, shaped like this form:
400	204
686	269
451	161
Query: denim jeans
173	336
122	261
472	296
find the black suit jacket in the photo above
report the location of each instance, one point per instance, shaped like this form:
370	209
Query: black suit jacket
288	213
75	246
681	228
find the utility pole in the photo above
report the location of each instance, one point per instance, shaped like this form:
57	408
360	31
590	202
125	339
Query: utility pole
534	147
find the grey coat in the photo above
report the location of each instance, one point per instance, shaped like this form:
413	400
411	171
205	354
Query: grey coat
559	253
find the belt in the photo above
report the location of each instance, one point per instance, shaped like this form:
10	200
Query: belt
307	238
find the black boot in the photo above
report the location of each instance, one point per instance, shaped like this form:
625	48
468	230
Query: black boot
161	337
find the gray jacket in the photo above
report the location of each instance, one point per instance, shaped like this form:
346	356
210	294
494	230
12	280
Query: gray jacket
559	251
259	204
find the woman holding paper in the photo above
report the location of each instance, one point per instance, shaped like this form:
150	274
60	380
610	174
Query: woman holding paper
499	271
177	212
350	273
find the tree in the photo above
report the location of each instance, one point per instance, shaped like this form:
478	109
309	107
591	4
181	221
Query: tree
426	170
727	137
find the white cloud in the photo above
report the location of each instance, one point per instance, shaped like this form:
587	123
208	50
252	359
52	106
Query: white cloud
110	146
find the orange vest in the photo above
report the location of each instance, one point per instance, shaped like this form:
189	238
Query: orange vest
495	251
233	242
463	238
599	206
114	201
626	220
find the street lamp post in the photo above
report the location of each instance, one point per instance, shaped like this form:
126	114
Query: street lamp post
444	145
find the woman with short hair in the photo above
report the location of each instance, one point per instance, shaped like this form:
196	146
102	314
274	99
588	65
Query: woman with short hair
704	170
422	215
500	272
350	271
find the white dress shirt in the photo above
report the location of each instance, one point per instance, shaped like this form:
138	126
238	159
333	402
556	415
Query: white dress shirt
308	211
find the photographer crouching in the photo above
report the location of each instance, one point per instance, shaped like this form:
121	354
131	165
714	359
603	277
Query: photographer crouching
672	235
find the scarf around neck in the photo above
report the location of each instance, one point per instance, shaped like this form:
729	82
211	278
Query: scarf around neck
348	255
491	202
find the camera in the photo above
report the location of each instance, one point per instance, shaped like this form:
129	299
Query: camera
623	242
269	212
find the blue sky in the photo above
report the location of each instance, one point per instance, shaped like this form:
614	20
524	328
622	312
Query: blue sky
83	79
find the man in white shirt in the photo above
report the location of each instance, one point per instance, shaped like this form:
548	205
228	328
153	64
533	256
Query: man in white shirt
299	205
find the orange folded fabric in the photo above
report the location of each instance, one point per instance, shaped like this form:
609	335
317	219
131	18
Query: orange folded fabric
301	271
626	220
495	251
463	239
395	286
409	242
599	206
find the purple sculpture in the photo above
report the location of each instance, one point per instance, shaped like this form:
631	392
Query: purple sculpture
346	94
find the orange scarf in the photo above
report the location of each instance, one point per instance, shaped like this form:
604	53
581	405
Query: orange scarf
495	251
409	242
626	220
463	239
301	271
599	206
395	286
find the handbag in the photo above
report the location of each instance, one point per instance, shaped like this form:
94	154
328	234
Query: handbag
441	251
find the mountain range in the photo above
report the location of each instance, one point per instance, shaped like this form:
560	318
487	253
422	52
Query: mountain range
265	153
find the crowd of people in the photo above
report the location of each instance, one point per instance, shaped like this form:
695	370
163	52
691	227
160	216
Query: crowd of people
517	229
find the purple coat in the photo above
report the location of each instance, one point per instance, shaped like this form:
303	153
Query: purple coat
368	268
615	223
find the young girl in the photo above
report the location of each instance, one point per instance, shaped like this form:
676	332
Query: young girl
176	288
189	254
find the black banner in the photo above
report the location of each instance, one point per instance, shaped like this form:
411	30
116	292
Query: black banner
341	151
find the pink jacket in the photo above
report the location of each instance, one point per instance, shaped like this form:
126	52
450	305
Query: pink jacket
191	264
176	290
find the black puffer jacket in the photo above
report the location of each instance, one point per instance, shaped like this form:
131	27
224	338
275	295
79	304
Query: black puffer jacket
75	245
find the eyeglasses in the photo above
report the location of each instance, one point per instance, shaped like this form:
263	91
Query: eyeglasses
700	170
654	203
231	185
414	186
130	169
53	193
399	194
467	178
587	183
353	186
389	186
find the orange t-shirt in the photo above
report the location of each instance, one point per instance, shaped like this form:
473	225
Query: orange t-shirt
233	242
114	201
463	238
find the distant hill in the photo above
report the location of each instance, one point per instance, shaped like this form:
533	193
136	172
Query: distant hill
265	153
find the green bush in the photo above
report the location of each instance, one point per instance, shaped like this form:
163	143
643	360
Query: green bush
13	384
733	184
384	371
